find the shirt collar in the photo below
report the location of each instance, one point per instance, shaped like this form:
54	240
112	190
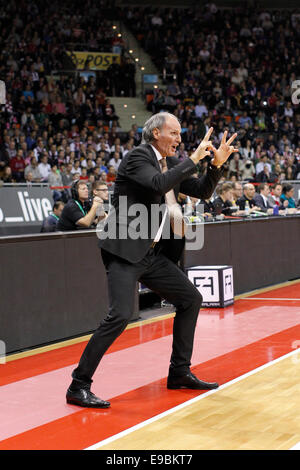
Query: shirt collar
264	198
157	153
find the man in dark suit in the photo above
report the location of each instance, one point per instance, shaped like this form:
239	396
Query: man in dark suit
262	198
147	176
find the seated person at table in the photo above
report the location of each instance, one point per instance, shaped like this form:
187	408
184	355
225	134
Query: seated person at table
195	207
249	191
287	196
262	198
79	212
50	223
208	209
276	192
223	203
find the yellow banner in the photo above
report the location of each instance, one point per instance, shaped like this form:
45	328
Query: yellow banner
92	60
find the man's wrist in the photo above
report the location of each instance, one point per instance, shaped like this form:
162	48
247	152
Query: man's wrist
194	159
215	165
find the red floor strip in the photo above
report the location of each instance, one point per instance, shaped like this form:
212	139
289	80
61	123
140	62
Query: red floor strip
86	427
68	355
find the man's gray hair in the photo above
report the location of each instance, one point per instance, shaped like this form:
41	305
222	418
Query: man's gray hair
156	121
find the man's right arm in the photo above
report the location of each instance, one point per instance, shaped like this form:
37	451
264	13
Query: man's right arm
88	219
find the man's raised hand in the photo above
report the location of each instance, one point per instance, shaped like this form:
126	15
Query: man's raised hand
203	149
222	154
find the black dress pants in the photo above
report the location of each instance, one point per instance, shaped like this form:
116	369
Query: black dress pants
160	275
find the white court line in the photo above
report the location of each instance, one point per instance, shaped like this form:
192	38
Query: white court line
187	403
296	446
267	298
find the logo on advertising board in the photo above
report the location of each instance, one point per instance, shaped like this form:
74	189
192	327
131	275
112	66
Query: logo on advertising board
92	60
215	284
25	205
207	282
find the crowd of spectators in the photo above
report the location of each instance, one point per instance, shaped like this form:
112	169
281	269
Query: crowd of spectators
57	124
230	69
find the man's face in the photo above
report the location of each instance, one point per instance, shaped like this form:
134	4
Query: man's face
228	195
59	210
249	191
102	191
277	190
168	137
83	192
238	191
266	190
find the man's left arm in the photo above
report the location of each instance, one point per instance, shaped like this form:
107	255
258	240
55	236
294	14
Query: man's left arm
204	186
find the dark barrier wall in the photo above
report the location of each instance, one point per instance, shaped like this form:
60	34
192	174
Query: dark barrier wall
53	286
261	251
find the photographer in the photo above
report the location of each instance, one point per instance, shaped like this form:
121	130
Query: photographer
79	213
248	171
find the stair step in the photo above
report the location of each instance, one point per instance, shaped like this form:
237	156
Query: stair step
134	107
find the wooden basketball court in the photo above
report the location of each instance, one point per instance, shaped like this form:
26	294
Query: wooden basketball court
250	348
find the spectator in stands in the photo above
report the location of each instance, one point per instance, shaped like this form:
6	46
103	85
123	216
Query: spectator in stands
128	78
76	167
200	109
67	177
7	175
17	165
262	163
50	223
29	179
261	199
247	171
44	168
236	165
114	73
111	175
4	157
115	161
181	153
288	195
247	152
109	111
56	184
34	100
33	168
266	176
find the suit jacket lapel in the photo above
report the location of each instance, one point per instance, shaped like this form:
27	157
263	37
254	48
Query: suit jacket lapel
153	157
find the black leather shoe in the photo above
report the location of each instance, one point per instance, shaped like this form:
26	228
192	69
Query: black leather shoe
84	397
190	381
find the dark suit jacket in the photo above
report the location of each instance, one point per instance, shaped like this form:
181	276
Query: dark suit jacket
259	202
141	181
